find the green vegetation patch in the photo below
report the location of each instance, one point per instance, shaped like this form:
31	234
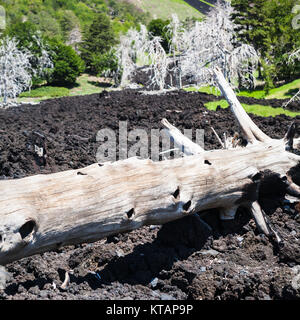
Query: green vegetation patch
88	85
206	89
47	91
285	91
259	110
164	9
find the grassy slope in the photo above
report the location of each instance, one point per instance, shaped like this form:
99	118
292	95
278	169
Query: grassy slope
164	8
85	84
259	110
284	92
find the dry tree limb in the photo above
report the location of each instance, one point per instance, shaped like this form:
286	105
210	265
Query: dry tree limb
250	130
66	282
181	142
218	138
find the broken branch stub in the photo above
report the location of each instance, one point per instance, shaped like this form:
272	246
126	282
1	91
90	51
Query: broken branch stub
250	130
183	143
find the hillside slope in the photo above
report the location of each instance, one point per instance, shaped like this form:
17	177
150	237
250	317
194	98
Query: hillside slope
56	18
165	8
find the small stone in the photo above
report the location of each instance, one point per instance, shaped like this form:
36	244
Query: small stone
48	286
120	253
4	277
296	269
153	227
165	296
34	290
202	269
266	297
44	294
244	272
219	245
210	252
296	282
240	239
154	282
293	233
21	289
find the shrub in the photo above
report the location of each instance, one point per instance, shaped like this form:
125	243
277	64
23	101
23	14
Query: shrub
157	27
47	24
97	41
67	64
104	62
68	21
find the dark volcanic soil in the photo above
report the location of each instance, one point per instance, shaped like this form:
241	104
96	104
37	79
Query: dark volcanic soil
142	77
187	259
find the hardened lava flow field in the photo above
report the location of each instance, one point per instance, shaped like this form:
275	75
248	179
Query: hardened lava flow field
186	259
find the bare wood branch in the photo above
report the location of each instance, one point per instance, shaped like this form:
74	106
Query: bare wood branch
181	141
258	216
250	130
220	141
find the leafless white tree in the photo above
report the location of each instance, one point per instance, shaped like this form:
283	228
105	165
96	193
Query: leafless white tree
43	62
15	69
293	57
213	44
196	51
177	48
193	52
131	52
158	64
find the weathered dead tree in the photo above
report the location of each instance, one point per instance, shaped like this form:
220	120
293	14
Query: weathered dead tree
44	212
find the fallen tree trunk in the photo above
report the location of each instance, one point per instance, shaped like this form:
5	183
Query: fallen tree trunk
44	212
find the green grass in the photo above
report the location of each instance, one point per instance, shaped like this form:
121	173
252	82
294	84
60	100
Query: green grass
259	110
88	85
164	9
283	92
85	85
207	89
286	91
46	91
